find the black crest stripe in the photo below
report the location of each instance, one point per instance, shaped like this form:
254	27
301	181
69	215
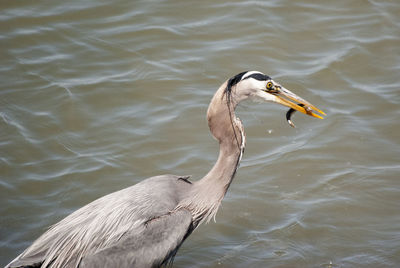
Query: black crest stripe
237	78
233	81
259	77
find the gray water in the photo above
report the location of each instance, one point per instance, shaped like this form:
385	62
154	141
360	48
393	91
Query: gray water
98	95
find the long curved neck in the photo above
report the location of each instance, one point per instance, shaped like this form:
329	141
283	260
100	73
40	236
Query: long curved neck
228	131
207	193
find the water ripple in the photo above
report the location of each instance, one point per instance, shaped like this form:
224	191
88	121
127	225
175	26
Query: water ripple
97	96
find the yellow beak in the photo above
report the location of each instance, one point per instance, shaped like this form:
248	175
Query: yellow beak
284	96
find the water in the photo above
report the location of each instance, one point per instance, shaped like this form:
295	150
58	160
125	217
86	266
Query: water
97	95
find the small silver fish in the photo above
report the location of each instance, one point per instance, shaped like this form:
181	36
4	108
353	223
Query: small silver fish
289	115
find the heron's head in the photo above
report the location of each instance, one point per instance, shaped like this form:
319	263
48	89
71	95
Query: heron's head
258	86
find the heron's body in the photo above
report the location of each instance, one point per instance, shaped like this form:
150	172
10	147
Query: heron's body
145	224
115	228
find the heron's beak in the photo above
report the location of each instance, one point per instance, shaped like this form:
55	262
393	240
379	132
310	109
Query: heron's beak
286	98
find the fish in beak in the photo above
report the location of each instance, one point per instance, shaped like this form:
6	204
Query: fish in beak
287	98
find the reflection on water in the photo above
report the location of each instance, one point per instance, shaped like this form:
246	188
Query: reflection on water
97	96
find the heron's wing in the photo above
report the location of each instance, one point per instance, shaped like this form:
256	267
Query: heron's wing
105	222
34	261
155	246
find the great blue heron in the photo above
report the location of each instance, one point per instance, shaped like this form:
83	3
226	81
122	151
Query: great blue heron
144	225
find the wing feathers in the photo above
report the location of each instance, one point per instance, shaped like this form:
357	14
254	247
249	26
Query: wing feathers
155	246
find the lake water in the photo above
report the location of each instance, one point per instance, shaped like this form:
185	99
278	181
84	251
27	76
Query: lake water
97	95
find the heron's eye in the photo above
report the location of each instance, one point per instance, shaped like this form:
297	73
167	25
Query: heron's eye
270	85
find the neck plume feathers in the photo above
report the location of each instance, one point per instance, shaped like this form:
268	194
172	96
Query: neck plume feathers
205	198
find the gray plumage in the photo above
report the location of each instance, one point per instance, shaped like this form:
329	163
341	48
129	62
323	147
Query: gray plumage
126	216
144	225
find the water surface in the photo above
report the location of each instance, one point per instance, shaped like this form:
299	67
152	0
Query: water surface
96	96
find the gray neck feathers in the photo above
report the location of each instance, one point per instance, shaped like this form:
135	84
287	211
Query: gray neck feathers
206	195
